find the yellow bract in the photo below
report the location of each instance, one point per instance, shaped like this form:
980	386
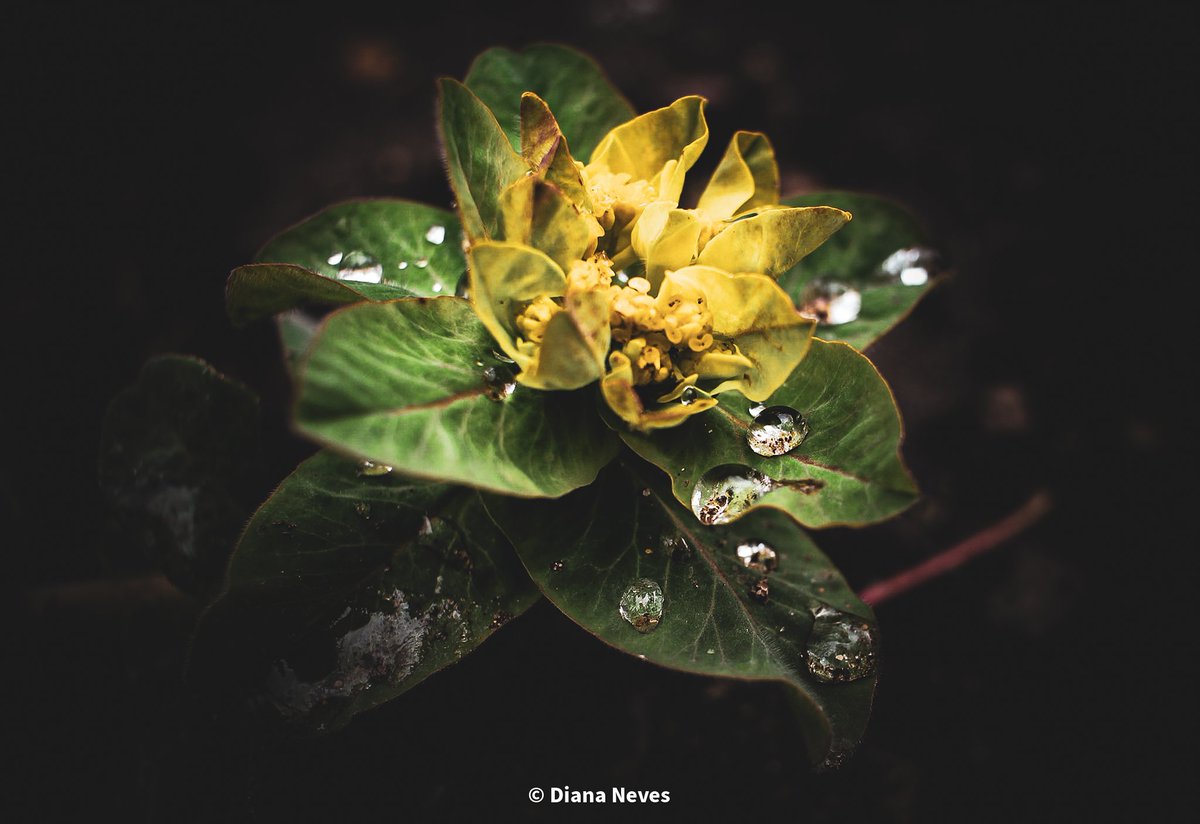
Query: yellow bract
702	315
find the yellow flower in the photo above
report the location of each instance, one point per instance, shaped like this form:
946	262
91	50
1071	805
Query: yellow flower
698	312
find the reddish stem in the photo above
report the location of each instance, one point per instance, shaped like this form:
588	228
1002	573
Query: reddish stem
1029	514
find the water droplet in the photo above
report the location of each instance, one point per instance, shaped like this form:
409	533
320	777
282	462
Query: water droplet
421	262
500	382
363	509
358	267
776	430
725	492
689	395
912	266
646	492
758	556
557	566
622	277
710	651
335	258
841	647
760	590
463	288
371	469
642	604
437	286
402	264
436	234
829	302
676	546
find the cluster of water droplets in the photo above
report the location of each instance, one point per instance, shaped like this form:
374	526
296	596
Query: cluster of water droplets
642	605
359	266
761	559
832	302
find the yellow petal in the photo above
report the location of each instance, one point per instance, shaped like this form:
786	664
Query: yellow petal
618	391
746	179
573	349
665	238
658	146
772	242
503	275
757	315
544	147
538	214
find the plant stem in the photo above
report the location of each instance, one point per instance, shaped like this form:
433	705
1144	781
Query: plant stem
1026	516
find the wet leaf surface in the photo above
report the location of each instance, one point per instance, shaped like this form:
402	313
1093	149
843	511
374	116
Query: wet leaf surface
348	589
847	470
626	562
864	256
179	461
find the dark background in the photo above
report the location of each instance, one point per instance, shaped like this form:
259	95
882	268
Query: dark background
1045	148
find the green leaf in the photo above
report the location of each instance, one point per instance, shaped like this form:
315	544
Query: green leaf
479	159
347	590
584	551
847	471
261	290
413	248
855	257
414	384
583	100
179	460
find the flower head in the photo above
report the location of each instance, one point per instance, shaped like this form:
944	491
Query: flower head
595	273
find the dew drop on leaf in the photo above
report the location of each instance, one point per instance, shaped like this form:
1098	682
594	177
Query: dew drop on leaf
358	267
725	492
829	302
421	262
642	605
913	266
776	430
371	469
841	647
758	556
402	264
436	234
500	382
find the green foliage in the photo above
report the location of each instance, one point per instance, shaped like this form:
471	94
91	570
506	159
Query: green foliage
585	550
179	459
856	256
346	590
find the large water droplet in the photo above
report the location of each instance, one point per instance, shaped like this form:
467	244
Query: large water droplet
776	430
829	302
841	647
725	492
436	234
371	469
689	395
758	556
913	266
358	266
500	382
421	262
642	604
